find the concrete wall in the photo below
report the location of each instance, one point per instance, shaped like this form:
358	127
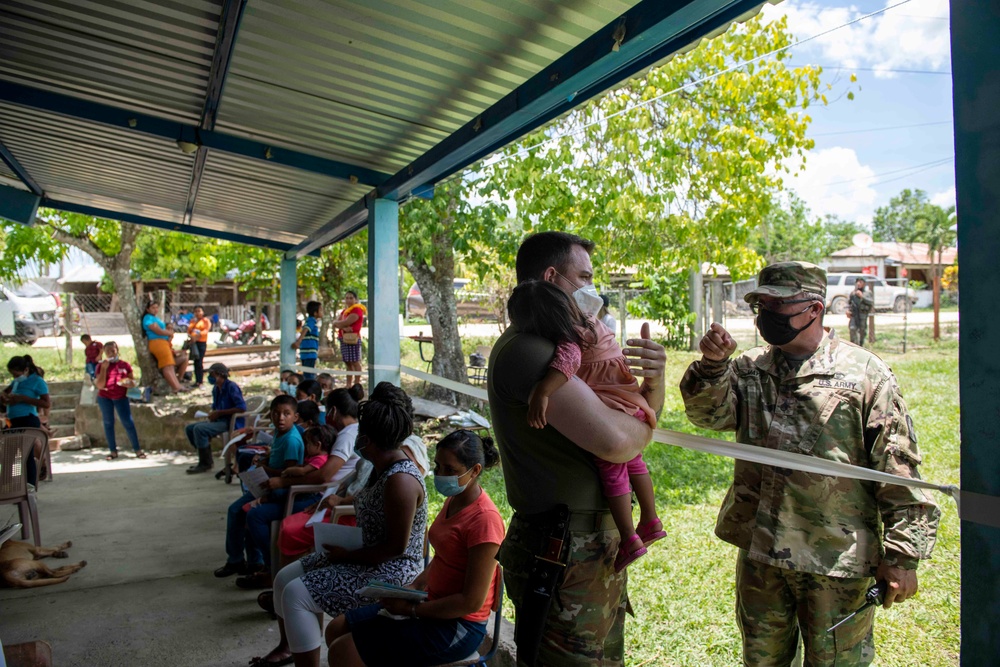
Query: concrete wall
158	430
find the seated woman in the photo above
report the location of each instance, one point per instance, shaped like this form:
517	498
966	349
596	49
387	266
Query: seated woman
26	395
159	336
392	515
461	582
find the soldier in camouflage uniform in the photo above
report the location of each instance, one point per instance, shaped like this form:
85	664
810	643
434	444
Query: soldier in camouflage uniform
585	621
861	304
810	545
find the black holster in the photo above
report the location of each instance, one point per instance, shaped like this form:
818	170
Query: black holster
544	577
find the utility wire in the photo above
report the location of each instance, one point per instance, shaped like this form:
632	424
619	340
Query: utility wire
880	129
920	167
886	69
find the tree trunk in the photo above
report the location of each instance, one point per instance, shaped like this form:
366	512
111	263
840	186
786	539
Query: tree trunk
438	290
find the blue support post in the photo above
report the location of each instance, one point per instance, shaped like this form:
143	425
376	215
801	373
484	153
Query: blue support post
975	51
383	292
289	292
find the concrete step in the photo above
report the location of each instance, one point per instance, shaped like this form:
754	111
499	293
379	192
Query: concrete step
65	387
63	431
64	401
62	417
70	443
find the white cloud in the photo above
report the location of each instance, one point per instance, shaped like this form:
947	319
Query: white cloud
912	36
945	198
835	182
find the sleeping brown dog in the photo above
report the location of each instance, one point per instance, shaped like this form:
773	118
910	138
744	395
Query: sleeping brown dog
19	567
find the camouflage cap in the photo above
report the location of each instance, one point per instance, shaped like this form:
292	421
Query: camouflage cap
786	279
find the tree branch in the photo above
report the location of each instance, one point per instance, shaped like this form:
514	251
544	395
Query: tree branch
83	244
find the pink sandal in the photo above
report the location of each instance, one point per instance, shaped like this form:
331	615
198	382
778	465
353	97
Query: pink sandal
626	556
650	532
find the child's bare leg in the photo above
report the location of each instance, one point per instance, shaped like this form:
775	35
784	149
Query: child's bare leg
621	512
642	485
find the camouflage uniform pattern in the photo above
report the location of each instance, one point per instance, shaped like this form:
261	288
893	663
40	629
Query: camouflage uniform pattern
810	540
586	622
772	602
786	279
842	404
860	307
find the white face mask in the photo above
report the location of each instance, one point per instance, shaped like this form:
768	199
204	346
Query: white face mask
587	299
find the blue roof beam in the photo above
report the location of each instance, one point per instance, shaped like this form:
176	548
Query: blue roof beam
165	224
648	33
229	24
19	171
105	114
18	205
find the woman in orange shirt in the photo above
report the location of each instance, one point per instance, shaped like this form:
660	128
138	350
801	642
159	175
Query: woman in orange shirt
461	582
198	332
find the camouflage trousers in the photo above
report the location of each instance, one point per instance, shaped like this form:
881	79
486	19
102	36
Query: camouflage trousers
773	605
858	331
586	622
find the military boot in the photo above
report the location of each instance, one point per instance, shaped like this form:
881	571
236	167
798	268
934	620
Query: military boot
204	461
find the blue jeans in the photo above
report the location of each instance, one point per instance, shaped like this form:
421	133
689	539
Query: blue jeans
236	536
91	369
108	408
311	363
199	433
258	522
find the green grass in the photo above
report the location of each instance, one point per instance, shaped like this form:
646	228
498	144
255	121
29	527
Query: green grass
683	590
53	361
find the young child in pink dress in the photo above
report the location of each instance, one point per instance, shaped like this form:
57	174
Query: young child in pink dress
586	348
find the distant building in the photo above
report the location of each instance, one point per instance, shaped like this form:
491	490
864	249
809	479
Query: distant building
889	260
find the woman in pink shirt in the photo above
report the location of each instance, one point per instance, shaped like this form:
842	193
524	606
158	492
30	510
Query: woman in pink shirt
461	582
114	377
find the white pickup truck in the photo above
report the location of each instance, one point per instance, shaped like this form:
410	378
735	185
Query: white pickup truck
887	297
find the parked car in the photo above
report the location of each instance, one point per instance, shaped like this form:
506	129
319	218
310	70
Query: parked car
32	313
887	297
468	304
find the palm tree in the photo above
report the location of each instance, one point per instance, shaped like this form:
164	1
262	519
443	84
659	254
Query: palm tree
935	226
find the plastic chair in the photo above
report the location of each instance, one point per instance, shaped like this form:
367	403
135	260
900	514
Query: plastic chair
475	659
16	445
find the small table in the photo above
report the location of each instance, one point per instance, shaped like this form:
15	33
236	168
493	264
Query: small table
421	339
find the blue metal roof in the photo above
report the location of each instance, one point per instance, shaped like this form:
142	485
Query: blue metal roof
295	112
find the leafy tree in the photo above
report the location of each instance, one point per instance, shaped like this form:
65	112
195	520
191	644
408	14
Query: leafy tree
684	178
787	233
340	267
895	222
433	233
839	233
934	226
110	243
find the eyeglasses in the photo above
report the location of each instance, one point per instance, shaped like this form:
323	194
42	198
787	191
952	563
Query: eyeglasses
757	306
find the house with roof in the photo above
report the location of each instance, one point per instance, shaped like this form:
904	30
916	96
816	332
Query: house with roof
889	260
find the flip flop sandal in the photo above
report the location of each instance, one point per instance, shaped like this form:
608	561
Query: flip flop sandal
140	454
111	457
626	557
650	532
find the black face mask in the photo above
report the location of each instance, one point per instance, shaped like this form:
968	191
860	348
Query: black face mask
776	329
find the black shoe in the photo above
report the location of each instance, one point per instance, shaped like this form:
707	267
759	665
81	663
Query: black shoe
220	474
229	569
266	601
255	581
201	467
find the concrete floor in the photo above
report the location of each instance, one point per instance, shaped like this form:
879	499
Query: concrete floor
151	536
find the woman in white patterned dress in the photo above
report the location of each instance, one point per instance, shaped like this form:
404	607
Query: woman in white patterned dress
392	514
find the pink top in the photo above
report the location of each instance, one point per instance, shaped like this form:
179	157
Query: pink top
317	461
604	368
117	371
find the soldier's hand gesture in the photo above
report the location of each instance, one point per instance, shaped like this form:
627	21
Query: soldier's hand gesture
717	344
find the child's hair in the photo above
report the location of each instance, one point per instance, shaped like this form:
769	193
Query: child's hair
323	435
324	376
470	448
85	338
24	363
387	417
312	308
297	376
311	389
345	401
539	307
308	412
283	400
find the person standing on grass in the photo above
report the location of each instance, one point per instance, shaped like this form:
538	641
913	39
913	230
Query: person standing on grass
308	341
860	305
114	377
572	613
810	546
198	330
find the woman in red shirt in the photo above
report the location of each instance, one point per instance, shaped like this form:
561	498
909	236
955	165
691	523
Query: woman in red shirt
348	327
461	581
114	377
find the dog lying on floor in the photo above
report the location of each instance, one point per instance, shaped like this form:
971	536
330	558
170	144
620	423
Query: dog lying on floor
19	567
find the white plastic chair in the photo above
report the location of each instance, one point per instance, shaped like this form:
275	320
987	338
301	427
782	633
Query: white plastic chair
16	445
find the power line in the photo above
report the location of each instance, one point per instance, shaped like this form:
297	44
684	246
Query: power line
918	167
881	129
887	69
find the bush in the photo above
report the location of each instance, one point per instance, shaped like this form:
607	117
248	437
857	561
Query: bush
666	300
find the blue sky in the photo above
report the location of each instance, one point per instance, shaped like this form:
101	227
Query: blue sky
853	170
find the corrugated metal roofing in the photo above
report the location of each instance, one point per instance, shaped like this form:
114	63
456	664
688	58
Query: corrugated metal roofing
374	84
